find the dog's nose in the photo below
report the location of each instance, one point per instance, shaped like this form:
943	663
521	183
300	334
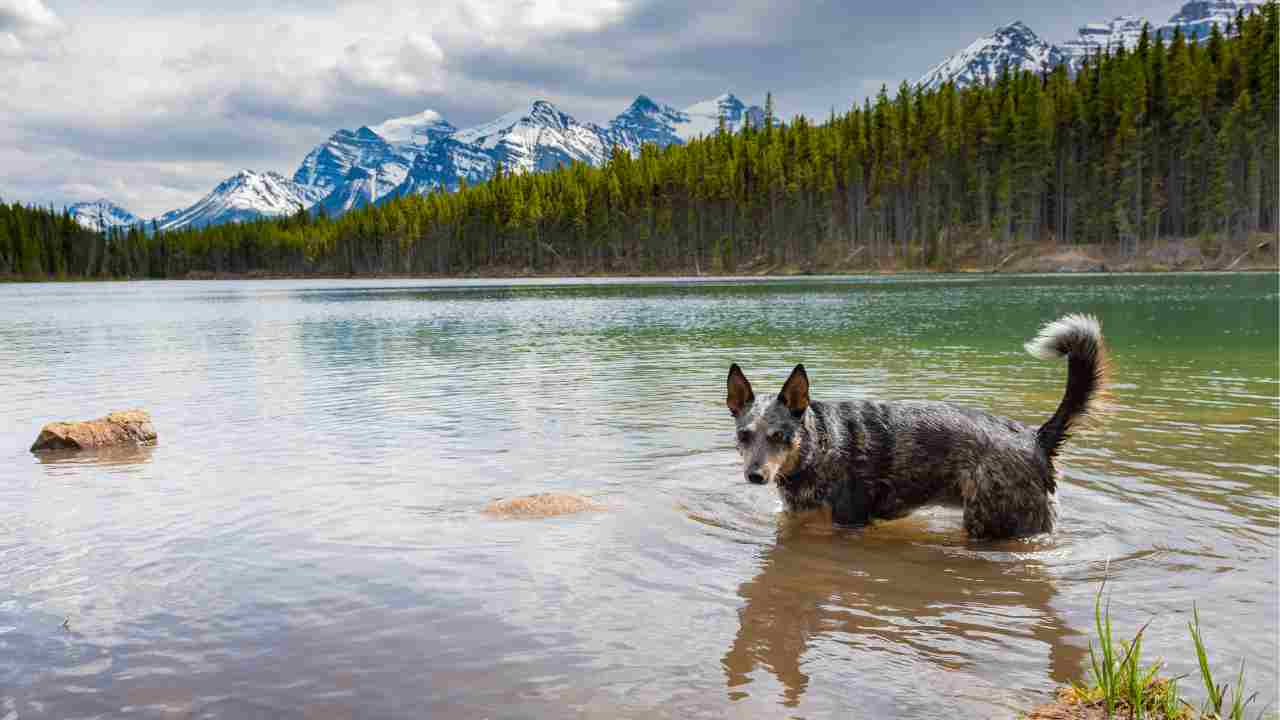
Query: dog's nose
756	478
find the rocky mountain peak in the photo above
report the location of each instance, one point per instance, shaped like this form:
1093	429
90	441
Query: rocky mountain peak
102	215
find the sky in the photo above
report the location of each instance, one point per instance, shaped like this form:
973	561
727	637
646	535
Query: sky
150	103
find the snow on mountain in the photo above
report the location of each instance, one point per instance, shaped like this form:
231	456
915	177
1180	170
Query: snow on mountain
1195	20
1014	46
542	138
247	195
1197	17
358	189
1123	31
442	164
101	215
364	186
645	121
325	168
418	130
704	118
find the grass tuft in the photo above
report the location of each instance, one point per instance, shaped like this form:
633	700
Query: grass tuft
1120	687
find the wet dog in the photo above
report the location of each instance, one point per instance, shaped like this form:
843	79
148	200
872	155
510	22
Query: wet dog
867	459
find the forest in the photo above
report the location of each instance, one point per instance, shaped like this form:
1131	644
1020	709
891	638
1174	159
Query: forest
1170	139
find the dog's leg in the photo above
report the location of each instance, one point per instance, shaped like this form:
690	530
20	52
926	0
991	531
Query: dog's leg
1002	504
849	503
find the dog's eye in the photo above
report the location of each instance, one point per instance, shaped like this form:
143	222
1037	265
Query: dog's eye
777	436
744	436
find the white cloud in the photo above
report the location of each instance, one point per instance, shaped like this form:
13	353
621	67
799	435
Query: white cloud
400	129
409	66
20	14
26	28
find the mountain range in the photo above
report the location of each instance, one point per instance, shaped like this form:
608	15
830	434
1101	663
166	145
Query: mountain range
420	153
1017	46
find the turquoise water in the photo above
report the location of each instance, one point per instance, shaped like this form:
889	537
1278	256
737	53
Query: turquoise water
306	540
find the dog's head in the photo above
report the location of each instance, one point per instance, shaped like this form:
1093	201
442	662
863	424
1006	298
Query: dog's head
769	431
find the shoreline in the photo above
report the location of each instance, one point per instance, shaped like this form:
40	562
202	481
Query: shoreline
255	275
1172	256
570	275
232	277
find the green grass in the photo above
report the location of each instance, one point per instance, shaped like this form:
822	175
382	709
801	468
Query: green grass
1122	687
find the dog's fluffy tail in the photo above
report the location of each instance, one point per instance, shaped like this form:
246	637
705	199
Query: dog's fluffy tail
1079	338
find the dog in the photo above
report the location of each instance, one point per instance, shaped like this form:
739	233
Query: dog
866	460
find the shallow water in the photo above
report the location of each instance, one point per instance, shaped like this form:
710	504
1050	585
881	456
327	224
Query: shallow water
306	540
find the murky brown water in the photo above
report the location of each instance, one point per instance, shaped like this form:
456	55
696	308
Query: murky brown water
306	540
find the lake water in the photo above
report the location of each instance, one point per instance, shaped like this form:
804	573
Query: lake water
305	540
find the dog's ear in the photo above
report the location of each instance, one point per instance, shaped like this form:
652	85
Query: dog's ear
740	394
795	392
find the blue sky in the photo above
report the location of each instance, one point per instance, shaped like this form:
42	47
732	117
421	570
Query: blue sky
151	103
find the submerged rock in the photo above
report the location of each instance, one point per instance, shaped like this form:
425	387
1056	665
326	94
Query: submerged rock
540	506
117	428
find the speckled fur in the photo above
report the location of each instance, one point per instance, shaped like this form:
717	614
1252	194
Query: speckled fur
868	459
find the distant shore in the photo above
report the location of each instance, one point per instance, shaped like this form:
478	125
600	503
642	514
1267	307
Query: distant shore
1260	255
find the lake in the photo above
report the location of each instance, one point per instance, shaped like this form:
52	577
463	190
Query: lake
306	538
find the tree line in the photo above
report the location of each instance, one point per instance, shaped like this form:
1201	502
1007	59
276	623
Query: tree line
1173	138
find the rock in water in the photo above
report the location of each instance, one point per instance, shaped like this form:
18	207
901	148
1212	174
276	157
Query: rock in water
539	506
117	428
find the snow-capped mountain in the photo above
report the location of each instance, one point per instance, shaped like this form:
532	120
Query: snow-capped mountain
1197	18
359	188
247	195
645	121
1124	31
1014	46
541	138
442	165
101	215
414	131
422	152
704	118
1017	46
364	186
327	166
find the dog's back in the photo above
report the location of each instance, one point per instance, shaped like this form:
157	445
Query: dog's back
907	454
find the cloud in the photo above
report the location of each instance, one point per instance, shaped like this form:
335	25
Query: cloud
401	129
409	67
26	28
26	15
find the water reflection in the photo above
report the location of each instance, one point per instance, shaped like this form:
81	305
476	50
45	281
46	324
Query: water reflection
128	454
894	589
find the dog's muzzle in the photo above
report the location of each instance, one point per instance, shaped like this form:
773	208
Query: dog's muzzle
755	478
